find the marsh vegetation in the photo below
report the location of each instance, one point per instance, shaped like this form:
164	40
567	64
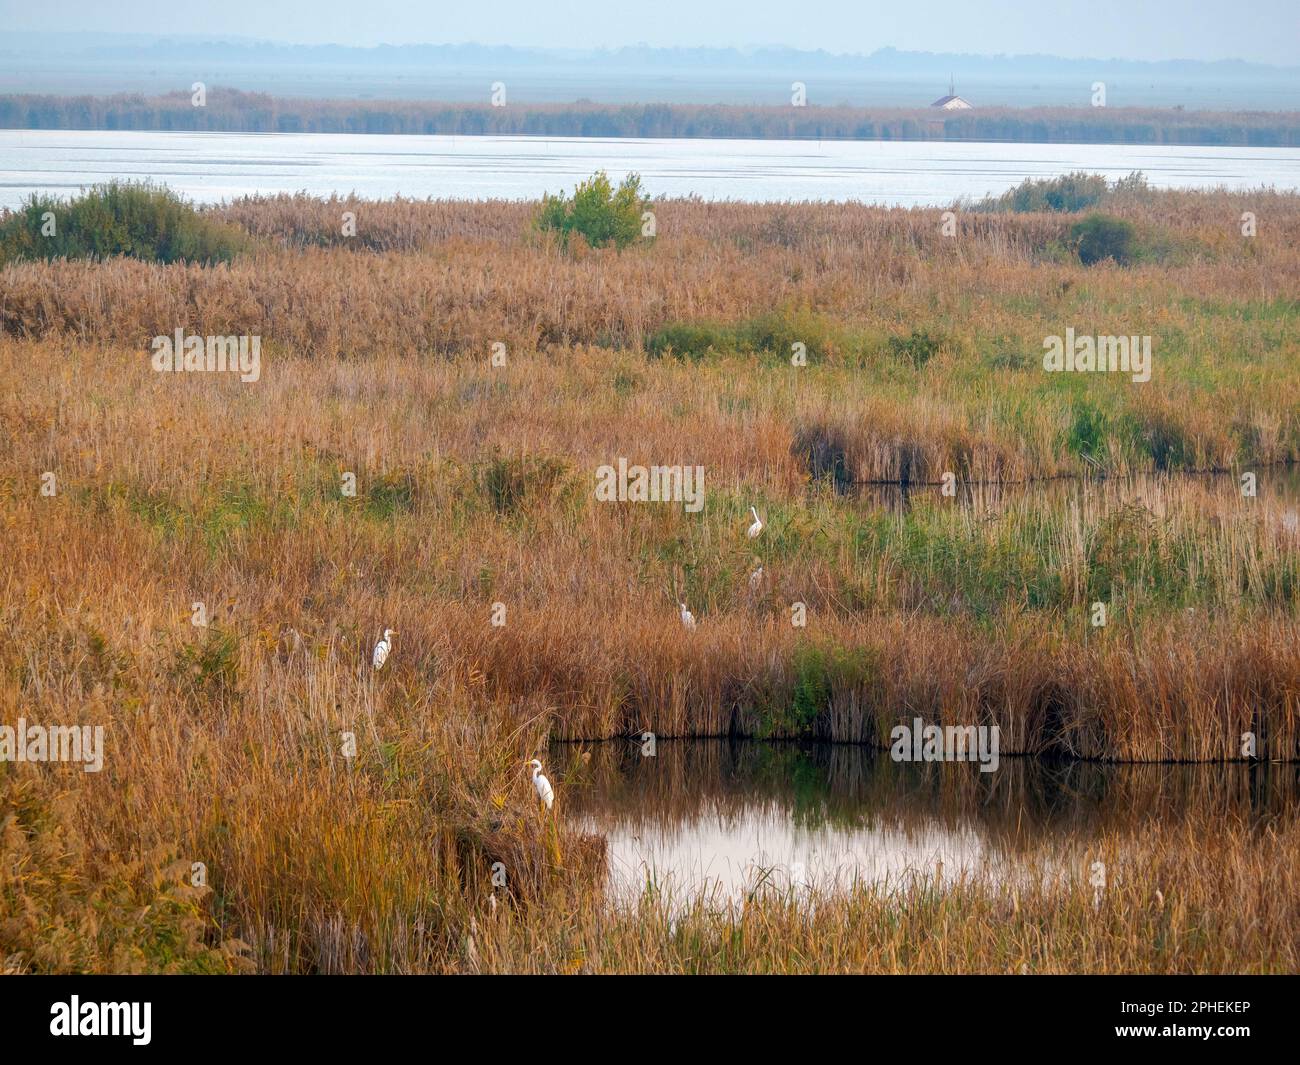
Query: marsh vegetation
474	487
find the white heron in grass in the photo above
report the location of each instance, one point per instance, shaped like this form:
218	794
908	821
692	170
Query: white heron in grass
757	527
688	619
545	793
382	649
755	579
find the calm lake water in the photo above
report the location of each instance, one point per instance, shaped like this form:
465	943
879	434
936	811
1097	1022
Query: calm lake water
721	816
210	167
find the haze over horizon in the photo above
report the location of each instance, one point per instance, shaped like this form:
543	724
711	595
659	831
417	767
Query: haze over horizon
1268	32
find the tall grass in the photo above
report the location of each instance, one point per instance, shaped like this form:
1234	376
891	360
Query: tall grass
224	744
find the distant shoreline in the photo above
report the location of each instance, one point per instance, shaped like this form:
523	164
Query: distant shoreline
232	111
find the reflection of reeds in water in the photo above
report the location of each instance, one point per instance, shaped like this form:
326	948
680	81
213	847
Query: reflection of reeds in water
1188	897
986	500
1027	804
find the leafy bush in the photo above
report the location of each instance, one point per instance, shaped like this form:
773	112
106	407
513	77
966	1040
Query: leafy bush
599	212
1067	193
121	218
1099	237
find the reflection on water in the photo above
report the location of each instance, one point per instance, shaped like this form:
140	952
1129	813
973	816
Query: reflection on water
723	815
1280	484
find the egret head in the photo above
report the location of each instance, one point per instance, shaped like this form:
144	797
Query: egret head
754	512
389	633
535	766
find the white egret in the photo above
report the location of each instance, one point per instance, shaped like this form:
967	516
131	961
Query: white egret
755	579
545	793
688	619
382	648
757	527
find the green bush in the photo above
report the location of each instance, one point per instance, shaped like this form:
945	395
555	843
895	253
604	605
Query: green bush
137	220
1067	193
1099	237
599	212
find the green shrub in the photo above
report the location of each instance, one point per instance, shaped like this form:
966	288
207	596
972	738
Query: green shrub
776	333
1068	193
141	221
599	212
1099	237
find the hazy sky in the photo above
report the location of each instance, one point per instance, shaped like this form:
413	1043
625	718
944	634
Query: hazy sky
1260	30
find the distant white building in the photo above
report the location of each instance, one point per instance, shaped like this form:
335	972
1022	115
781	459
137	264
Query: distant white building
951	102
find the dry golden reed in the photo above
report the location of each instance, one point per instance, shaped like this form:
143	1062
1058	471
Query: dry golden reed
223	742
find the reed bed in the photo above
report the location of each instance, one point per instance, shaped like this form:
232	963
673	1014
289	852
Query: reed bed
971	614
474	488
232	110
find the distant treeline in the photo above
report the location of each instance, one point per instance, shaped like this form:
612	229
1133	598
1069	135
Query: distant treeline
231	111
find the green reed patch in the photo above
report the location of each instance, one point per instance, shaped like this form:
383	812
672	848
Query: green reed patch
816	673
209	666
508	483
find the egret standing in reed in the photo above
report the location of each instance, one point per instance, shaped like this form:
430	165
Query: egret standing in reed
757	527
382	648
688	619
545	793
